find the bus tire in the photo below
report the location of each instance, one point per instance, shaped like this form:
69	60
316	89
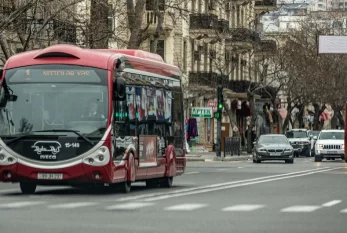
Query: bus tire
125	187
27	188
167	182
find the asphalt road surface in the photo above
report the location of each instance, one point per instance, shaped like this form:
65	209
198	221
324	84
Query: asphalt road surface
211	197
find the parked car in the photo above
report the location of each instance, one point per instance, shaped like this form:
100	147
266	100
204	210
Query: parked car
272	147
300	141
313	135
330	145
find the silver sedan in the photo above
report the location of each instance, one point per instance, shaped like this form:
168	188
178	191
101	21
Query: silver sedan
272	147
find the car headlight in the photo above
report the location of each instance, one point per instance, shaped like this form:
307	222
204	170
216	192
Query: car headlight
288	150
320	146
261	150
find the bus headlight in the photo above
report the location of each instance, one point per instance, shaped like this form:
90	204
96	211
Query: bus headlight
343	146
100	157
6	158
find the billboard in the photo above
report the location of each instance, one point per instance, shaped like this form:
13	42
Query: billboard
332	44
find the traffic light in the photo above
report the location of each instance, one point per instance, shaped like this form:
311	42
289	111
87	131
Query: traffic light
220	97
216	115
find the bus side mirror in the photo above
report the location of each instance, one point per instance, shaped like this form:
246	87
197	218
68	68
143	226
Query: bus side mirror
119	89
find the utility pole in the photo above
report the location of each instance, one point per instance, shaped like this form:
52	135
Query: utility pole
218	116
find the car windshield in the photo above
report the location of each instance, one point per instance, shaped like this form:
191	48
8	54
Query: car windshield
332	135
296	134
273	139
55	97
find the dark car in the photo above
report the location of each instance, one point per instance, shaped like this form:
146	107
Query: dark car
273	147
300	141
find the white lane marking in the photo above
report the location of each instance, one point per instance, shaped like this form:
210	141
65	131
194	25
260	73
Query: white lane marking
331	203
303	208
8	190
222	169
186	207
344	211
19	204
167	196
189	173
71	205
140	197
129	206
243	208
239	167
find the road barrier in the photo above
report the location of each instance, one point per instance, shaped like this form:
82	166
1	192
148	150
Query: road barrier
232	146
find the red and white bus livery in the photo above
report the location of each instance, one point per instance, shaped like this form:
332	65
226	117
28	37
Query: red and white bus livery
74	116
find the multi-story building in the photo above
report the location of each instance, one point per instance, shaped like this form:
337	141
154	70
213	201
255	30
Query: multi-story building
211	41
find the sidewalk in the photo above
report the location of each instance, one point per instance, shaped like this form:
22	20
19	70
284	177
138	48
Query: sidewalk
211	156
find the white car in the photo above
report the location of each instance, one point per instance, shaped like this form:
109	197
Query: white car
330	145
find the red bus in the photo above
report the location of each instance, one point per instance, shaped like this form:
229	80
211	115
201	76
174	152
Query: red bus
74	116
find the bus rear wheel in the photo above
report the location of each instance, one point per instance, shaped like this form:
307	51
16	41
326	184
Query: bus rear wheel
27	188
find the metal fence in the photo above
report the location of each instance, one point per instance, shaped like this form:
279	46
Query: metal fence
232	146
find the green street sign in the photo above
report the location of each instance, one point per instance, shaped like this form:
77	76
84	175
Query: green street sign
202	112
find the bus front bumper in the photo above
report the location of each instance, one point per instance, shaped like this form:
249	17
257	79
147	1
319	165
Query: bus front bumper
80	173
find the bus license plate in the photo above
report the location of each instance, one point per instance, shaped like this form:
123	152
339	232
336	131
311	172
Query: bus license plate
50	176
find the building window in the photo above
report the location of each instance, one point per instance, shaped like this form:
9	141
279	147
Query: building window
160	48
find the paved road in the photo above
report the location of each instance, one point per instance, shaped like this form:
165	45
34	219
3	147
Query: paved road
210	197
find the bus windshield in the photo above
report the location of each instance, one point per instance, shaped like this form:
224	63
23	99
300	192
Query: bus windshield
61	97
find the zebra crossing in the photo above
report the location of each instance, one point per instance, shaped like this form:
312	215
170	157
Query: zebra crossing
152	206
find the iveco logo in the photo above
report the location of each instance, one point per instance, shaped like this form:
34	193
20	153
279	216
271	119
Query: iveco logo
47	149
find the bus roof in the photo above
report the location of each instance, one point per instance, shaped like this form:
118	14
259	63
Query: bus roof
98	58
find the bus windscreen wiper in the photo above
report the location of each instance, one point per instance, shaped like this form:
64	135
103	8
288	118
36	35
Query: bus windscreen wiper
51	130
66	131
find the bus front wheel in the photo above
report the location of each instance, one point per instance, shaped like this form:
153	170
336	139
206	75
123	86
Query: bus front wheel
167	182
27	188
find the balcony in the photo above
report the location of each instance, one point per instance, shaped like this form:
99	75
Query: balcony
207	79
223	26
203	21
260	7
242	37
151	22
266	46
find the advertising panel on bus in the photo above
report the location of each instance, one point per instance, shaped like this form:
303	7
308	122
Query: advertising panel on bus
148	150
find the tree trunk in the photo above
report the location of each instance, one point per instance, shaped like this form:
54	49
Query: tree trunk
159	29
300	116
135	18
99	33
250	97
317	112
341	120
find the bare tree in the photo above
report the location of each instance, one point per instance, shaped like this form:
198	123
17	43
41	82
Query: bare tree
26	25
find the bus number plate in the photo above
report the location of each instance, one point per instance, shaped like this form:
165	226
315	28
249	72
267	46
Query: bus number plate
50	176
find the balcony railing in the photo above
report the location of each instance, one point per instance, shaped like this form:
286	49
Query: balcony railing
151	20
266	3
223	25
210	79
267	46
243	35
53	30
203	21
